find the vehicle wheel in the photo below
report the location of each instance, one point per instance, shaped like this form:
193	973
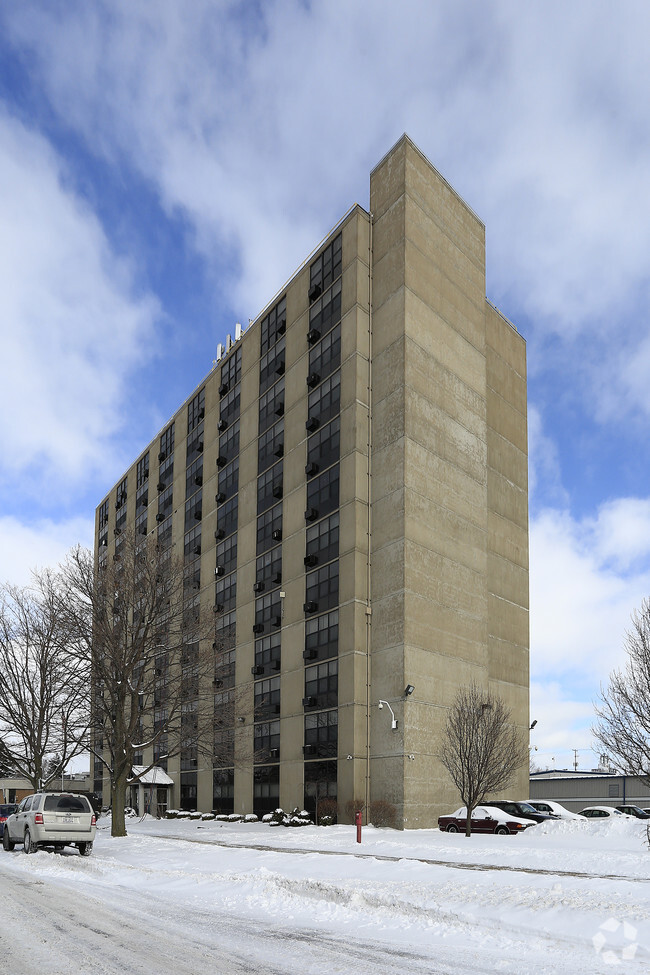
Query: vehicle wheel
452	828
7	844
85	849
503	830
28	846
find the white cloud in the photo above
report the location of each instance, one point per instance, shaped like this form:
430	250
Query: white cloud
564	722
71	326
44	544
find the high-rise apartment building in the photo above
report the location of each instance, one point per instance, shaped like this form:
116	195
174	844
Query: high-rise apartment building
349	489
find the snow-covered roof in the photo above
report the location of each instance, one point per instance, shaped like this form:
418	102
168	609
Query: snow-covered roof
150	776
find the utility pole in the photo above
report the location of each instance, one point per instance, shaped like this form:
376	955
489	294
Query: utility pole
575	759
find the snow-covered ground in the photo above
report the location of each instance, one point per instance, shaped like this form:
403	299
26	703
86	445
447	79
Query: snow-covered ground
178	896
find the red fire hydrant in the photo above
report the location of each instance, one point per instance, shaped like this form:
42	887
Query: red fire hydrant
357	819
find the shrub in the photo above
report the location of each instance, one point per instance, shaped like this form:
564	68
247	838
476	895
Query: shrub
382	813
327	810
353	806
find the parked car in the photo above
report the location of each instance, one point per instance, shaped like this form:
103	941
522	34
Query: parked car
635	811
55	819
522	809
485	819
6	810
601	812
552	808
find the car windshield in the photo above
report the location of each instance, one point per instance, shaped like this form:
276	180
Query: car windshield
526	806
66	804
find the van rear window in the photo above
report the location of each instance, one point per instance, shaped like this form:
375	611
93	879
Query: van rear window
66	804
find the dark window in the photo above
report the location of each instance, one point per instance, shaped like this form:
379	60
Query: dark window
165	502
325	401
269	528
225	636
267	698
224	747
142	471
323	588
192	576
103	514
226	592
271	405
270	446
266	789
188	789
273	326
268	567
228	480
192	544
321	734
272	365
267	655
324	447
195	410
165	534
268	612
231	369
326	268
325	312
323	541
141	524
166	443
322	685
224	674
194	477
193	510
227	555
322	636
69	804
320	783
229	408
267	741
325	357
223	790
195	443
269	487
120	495
228	444
323	493
166	474
227	516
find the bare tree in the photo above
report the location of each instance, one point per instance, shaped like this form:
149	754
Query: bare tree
43	682
155	659
481	748
623	725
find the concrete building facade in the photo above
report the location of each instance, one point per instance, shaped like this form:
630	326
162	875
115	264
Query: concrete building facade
350	484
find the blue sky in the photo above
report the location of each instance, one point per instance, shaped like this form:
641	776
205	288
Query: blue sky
165	167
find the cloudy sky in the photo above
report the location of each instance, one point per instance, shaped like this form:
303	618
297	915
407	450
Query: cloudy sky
165	166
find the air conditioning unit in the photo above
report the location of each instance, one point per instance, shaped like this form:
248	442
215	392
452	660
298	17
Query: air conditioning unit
309	654
162	455
275	665
201	413
199	446
197	549
218	607
310	561
281	327
258	628
197	514
160	486
311	514
274	753
279	450
220	570
312	423
279	410
279	368
309	749
310	606
222	425
160	516
219	534
311	468
223	389
308	702
257	670
258	587
313	379
313	335
277	490
276	621
217	682
198	479
314	292
277	535
221	460
220	497
277	578
142	530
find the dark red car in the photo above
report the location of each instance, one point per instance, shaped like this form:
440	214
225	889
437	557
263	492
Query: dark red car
485	819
